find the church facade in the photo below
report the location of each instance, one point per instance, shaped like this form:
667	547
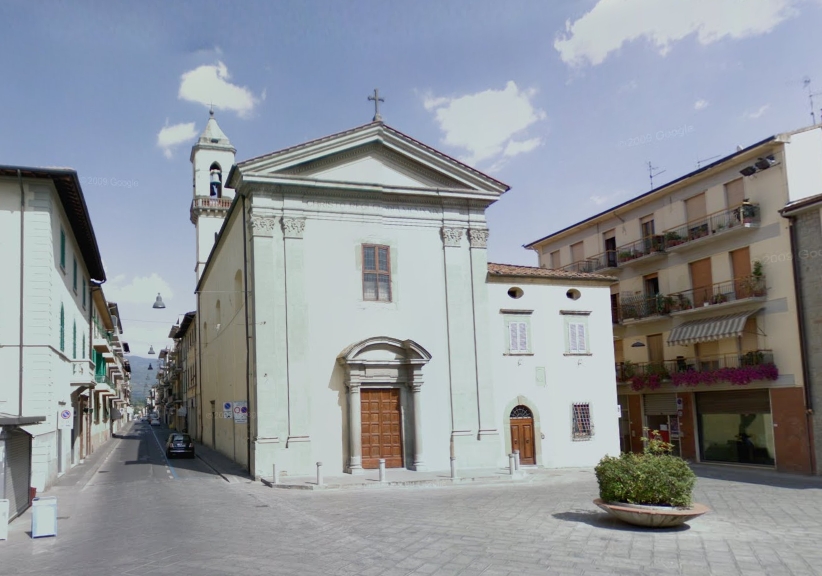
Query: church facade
347	313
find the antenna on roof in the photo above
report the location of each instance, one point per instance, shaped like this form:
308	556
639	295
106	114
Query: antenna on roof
806	83
699	163
651	173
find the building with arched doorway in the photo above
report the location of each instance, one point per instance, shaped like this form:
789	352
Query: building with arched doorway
347	313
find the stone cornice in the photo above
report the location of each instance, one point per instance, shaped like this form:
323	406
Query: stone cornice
452	236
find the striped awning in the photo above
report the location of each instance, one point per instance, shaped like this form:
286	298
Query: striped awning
710	329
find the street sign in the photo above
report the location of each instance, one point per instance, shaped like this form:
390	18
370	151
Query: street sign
227	409
240	412
65	419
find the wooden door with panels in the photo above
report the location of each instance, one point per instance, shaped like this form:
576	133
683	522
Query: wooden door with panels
702	281
381	427
522	435
741	264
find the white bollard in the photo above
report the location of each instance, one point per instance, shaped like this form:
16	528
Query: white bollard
511	464
516	460
275	477
382	469
319	473
453	467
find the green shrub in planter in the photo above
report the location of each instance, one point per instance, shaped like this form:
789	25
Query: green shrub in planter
654	478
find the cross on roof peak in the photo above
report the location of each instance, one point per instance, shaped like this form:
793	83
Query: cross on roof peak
376	99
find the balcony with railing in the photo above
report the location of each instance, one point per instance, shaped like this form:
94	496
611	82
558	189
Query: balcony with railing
645	250
746	215
82	373
101	337
641	306
202	204
725	294
681	368
599	263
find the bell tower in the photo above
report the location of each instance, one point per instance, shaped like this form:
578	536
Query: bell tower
211	159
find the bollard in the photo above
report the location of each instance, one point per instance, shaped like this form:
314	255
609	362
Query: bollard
382	469
516	460
453	467
511	464
275	477
44	516
319	473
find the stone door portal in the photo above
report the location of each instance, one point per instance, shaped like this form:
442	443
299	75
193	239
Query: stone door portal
381	429
522	434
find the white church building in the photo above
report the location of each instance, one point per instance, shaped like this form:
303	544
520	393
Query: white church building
347	313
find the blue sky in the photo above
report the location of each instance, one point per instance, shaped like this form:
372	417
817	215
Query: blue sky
552	97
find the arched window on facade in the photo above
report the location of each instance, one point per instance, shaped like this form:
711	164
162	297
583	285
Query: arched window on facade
216	188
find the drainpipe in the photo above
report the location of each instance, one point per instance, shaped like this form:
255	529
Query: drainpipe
22	268
802	344
247	346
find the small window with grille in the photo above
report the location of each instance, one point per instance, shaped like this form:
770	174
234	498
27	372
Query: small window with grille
376	273
582	429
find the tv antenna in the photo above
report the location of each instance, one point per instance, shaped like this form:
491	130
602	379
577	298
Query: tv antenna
806	83
699	163
652	173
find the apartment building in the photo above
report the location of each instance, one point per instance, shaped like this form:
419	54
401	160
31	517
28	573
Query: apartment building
49	330
705	315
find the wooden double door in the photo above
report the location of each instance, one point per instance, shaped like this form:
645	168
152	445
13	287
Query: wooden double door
522	435
381	427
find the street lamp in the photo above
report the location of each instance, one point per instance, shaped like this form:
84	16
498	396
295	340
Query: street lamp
151	349
158	303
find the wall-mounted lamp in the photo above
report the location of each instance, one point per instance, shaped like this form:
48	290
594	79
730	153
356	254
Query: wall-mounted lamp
759	165
638	344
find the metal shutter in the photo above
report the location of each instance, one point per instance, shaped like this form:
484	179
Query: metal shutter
18	468
734	402
659	404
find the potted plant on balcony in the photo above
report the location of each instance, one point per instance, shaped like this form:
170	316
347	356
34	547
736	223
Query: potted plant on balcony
748	212
672	239
718	298
664	304
680	302
653	489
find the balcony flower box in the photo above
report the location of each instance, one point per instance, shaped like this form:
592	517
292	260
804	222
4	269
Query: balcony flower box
740	376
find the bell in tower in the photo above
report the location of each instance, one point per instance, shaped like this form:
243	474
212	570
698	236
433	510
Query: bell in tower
216	181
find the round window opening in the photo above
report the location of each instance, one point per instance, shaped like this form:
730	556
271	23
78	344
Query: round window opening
515	292
573	294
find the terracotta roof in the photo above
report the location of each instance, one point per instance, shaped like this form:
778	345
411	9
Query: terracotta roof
514	270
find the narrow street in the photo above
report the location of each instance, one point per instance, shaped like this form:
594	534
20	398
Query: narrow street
128	511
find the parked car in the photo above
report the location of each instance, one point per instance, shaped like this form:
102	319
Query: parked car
154	422
179	444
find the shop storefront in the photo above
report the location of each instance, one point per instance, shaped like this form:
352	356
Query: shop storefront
661	415
735	427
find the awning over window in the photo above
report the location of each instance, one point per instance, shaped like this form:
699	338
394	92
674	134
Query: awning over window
710	329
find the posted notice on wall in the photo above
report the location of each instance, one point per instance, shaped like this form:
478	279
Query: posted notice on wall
240	412
65	418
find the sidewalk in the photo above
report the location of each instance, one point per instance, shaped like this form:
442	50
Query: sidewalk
230	471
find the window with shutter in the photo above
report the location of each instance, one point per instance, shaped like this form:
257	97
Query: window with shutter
518	335
63	249
62	329
576	327
74	274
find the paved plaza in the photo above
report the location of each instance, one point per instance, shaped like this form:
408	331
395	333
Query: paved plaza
126	511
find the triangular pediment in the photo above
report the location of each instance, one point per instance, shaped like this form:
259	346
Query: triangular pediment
372	156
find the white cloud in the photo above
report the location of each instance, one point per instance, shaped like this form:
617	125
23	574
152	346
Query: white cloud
172	136
612	23
758	112
208	85
485	124
700	105
140	290
600	199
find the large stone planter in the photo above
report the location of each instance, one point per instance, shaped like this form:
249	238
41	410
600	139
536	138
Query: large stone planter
651	516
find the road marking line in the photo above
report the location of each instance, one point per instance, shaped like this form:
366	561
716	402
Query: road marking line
163	452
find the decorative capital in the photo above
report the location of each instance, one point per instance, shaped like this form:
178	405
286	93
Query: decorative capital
293	227
263	225
353	385
478	237
452	236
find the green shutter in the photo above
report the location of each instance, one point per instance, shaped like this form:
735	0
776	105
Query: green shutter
62	329
74	274
62	249
74	340
84	292
83	351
